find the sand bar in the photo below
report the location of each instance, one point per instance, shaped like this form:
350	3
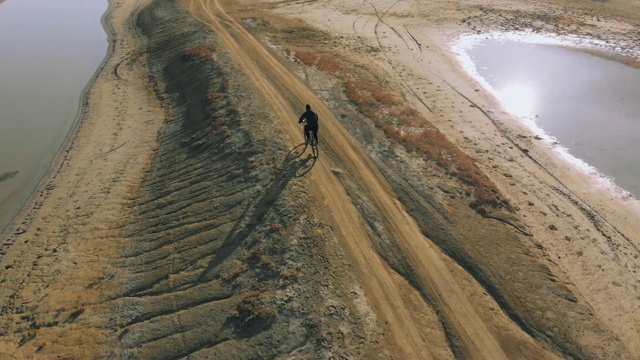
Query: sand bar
174	224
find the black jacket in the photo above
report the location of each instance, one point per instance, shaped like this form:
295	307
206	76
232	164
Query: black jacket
312	118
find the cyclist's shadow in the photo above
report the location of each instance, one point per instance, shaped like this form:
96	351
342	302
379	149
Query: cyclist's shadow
292	167
296	165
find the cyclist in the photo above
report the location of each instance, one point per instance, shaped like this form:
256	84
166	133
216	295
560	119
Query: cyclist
312	124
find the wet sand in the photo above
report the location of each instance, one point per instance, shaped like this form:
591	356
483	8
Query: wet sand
169	212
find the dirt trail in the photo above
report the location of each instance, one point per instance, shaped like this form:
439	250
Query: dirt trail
172	225
342	154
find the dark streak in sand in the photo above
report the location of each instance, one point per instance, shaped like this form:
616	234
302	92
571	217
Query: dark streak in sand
7	174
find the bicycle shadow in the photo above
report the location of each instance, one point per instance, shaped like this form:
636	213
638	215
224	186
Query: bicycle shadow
299	166
295	154
255	211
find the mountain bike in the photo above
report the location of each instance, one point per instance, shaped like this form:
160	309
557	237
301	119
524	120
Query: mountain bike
310	140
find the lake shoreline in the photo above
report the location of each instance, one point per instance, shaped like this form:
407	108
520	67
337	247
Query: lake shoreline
69	232
528	96
47	166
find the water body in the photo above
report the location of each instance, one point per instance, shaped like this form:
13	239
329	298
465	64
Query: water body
49	50
591	105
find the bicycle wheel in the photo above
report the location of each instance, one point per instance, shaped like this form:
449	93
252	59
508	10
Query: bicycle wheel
306	138
314	147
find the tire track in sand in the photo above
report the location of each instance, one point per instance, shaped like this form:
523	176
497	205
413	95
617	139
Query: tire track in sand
432	275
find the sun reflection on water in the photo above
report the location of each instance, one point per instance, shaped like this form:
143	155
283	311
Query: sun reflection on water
519	99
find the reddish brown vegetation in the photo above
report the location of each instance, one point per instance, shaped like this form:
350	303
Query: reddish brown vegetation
275	228
254	308
306	58
200	51
290	274
262	260
417	135
215	99
369	96
328	65
321	62
234	273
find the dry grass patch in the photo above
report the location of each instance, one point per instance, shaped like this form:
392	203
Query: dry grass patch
328	65
308	59
201	52
238	269
323	63
256	310
417	135
215	100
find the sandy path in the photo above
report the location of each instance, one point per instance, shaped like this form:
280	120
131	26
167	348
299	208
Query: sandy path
62	260
346	156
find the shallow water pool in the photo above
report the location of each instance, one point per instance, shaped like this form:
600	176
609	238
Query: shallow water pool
590	104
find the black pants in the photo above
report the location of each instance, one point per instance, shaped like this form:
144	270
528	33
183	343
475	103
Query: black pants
309	129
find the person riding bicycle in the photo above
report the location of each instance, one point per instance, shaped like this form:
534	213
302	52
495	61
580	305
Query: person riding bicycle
312	124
